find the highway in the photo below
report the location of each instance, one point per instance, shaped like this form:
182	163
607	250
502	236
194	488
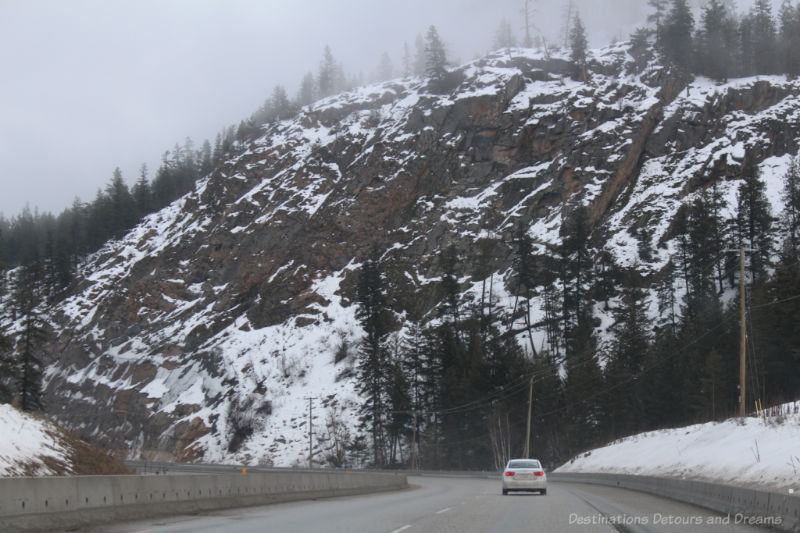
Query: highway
457	505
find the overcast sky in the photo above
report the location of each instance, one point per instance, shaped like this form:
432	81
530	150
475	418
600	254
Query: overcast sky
89	85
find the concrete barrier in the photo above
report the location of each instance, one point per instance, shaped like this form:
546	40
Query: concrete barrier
36	504
748	506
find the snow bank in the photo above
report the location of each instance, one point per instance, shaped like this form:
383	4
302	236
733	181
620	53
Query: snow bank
30	446
750	451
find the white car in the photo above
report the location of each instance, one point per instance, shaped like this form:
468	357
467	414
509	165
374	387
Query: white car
524	474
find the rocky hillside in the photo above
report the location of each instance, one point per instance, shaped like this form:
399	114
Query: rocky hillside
202	332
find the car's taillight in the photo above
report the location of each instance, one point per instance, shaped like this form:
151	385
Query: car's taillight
509	473
538	473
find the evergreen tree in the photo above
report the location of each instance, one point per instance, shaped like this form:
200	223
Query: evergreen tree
399	407
774	317
122	208
789	45
658	18
504	37
7	378
677	34
716	42
385	68
406	61
141	193
623	370
764	44
206	164
791	198
280	106
33	335
327	76
754	221
307	92
583	374
450	303
435	57
418	65
747	59
705	251
578	48
373	357
525	268
640	49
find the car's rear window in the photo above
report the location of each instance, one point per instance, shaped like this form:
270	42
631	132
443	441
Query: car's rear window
524	464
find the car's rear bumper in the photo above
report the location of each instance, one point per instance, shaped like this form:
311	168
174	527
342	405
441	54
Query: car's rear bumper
525	484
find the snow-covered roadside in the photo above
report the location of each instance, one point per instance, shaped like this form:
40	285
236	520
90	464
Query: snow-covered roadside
29	445
753	451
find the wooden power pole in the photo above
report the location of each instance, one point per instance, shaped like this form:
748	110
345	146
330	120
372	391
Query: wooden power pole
310	432
528	431
742	334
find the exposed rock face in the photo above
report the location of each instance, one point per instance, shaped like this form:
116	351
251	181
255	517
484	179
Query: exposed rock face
199	333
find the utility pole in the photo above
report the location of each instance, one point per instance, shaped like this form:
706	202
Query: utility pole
528	432
742	335
414	443
310	432
742	328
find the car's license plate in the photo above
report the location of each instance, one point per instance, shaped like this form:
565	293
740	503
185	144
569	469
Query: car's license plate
523	476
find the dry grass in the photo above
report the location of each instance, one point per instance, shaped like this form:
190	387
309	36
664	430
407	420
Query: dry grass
90	461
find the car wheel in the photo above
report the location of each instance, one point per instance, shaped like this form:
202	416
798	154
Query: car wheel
505	492
544	492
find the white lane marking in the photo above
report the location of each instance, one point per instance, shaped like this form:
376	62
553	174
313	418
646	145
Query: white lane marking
399	529
443	510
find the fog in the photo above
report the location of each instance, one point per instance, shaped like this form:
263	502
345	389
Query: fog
90	85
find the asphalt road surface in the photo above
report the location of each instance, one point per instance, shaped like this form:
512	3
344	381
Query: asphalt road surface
457	505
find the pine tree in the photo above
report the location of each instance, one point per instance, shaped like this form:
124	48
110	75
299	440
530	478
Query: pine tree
33	335
504	37
578	48
450	306
435	58
791	198
716	42
399	407
777	336
373	357
206	164
142	196
307	93
754	220
385	68
583	374
326	78
418	66
747	59
525	268
658	18
789	42
764	37
677	34
7	377
626	360
640	49
406	61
